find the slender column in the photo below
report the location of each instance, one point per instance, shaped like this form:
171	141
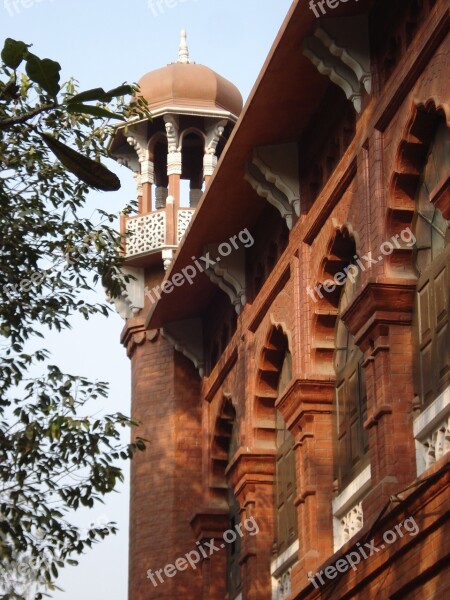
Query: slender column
252	476
307	410
380	319
211	525
147	180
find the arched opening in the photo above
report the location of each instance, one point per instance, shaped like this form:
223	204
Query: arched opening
158	154
224	446
351	438
192	153
337	355
285	473
275	373
431	329
411	159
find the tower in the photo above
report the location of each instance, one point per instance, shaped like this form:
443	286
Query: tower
172	156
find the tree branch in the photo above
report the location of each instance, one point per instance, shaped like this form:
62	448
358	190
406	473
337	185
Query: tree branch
5	123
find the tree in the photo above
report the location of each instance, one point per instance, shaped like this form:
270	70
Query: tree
53	456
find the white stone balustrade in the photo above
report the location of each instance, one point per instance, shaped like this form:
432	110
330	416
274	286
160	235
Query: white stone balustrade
348	516
147	233
432	432
184	218
281	571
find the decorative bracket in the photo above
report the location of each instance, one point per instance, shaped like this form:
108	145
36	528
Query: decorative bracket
146	173
174	158
131	301
273	174
340	49
213	134
187	337
229	275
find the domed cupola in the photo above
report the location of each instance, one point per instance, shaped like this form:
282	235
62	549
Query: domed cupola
185	87
193	112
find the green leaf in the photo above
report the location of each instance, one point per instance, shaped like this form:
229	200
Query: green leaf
87	96
122	90
44	72
91	172
96	111
99	94
13	53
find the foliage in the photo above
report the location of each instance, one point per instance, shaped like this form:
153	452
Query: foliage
53	456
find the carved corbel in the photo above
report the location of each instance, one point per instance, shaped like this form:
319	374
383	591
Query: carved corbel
335	69
131	301
213	134
146	171
187	337
174	158
273	174
228	272
340	49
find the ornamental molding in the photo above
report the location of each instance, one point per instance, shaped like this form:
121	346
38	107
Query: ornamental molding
147	171
138	179
139	338
174	163
228	273
209	164
273	174
187	337
342	52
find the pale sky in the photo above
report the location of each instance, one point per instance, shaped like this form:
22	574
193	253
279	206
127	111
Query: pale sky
103	43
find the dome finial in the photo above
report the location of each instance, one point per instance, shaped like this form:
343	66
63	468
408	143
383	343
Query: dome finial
183	52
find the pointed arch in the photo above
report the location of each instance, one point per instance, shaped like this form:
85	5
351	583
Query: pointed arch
224	443
411	158
341	252
276	344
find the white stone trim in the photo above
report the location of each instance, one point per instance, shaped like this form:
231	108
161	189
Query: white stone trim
430	416
430	429
279	564
347	508
281	571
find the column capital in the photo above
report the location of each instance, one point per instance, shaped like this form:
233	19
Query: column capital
381	303
134	334
210	523
251	467
305	398
174	163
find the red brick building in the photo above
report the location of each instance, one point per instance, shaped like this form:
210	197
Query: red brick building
290	346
